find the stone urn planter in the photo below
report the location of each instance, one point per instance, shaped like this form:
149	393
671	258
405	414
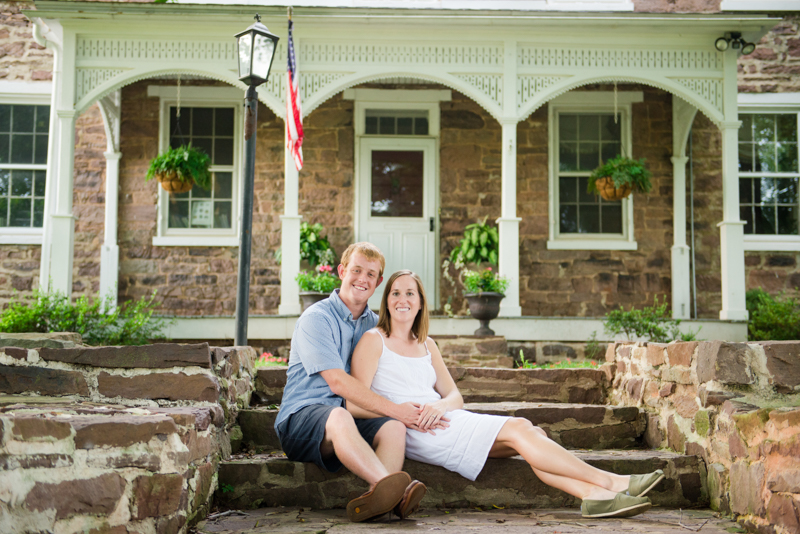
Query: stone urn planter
484	306
307	298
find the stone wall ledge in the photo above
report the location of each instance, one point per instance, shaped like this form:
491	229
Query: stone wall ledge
132	467
479	384
155	356
736	406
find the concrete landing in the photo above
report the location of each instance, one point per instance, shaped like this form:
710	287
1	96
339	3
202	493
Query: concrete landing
564	521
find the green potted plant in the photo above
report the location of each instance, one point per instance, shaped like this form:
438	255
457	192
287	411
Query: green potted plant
315	249
316	286
178	169
484	290
619	177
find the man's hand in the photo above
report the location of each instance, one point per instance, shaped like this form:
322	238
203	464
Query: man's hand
407	413
441	425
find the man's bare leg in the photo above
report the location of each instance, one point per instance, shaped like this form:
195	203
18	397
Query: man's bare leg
343	439
390	445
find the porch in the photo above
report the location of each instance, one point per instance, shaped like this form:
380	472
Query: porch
509	68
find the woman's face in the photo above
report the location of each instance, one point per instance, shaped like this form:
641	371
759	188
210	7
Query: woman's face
404	301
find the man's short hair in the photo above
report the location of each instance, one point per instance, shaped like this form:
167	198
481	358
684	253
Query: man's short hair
368	250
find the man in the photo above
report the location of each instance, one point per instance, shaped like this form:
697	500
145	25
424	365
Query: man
313	425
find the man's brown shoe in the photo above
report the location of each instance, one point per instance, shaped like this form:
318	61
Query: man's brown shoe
411	499
382	498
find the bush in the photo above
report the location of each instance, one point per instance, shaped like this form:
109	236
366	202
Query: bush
651	323
314	247
772	318
324	281
97	322
480	244
486	280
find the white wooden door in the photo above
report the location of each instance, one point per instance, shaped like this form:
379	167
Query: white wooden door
397	206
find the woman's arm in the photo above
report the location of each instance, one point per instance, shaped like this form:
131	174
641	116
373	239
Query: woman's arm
446	386
363	366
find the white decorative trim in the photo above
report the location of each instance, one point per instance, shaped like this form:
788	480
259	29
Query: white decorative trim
21	236
760	5
388	96
490	85
87	79
772	243
196	93
709	89
769	102
25	92
195	241
529	86
704	62
455	5
565	243
598	98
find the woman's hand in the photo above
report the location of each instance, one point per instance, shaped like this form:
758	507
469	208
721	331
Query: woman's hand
431	414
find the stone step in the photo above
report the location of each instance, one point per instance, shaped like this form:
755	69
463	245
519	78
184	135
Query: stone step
478	384
575	426
272	480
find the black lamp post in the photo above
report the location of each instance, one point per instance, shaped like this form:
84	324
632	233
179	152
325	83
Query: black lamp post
256	49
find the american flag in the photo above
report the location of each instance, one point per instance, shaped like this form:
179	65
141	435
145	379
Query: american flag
294	116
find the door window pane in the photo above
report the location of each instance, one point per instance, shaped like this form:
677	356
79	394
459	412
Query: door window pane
397	183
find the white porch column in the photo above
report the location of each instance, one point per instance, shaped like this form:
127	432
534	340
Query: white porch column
62	236
681	272
731	228
290	238
109	251
508	223
683	115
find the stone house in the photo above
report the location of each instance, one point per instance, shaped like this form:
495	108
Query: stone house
500	108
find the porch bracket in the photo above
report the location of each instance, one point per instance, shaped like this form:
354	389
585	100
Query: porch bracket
109	251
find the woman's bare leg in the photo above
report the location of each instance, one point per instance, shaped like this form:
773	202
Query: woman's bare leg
553	464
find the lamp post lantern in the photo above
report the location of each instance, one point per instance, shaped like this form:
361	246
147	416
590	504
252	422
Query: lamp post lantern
256	49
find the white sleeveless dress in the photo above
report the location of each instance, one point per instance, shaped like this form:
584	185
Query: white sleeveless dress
462	447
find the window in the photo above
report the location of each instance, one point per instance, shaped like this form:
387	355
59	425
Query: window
769	196
210	119
210	129
386	122
584	141
23	164
583	134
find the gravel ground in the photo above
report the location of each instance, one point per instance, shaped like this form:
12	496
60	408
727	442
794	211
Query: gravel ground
563	521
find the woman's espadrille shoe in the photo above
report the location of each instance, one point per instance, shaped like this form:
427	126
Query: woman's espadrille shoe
641	484
620	506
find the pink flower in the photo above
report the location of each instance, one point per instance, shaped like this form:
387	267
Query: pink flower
324	268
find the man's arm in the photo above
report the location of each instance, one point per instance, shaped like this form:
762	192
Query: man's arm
355	391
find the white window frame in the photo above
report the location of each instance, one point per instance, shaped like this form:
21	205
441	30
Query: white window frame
589	102
30	94
215	97
770	103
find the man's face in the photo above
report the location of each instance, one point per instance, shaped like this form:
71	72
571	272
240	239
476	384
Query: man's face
359	279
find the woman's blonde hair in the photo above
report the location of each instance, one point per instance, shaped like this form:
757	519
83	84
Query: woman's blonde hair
421	322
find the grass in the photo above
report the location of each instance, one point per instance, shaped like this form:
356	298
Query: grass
561	364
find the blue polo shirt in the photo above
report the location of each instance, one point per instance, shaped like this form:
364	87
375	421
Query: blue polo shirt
324	338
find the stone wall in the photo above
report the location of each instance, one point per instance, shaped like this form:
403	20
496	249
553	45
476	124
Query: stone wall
137	432
733	404
775	65
21	59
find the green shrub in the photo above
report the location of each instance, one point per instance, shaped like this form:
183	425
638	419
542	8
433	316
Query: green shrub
651	323
314	247
98	322
486	280
480	244
324	281
772	318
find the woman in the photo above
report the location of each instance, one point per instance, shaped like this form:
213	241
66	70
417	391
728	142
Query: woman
398	360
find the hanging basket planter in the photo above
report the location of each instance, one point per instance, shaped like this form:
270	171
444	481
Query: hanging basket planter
605	187
171	183
618	177
179	169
